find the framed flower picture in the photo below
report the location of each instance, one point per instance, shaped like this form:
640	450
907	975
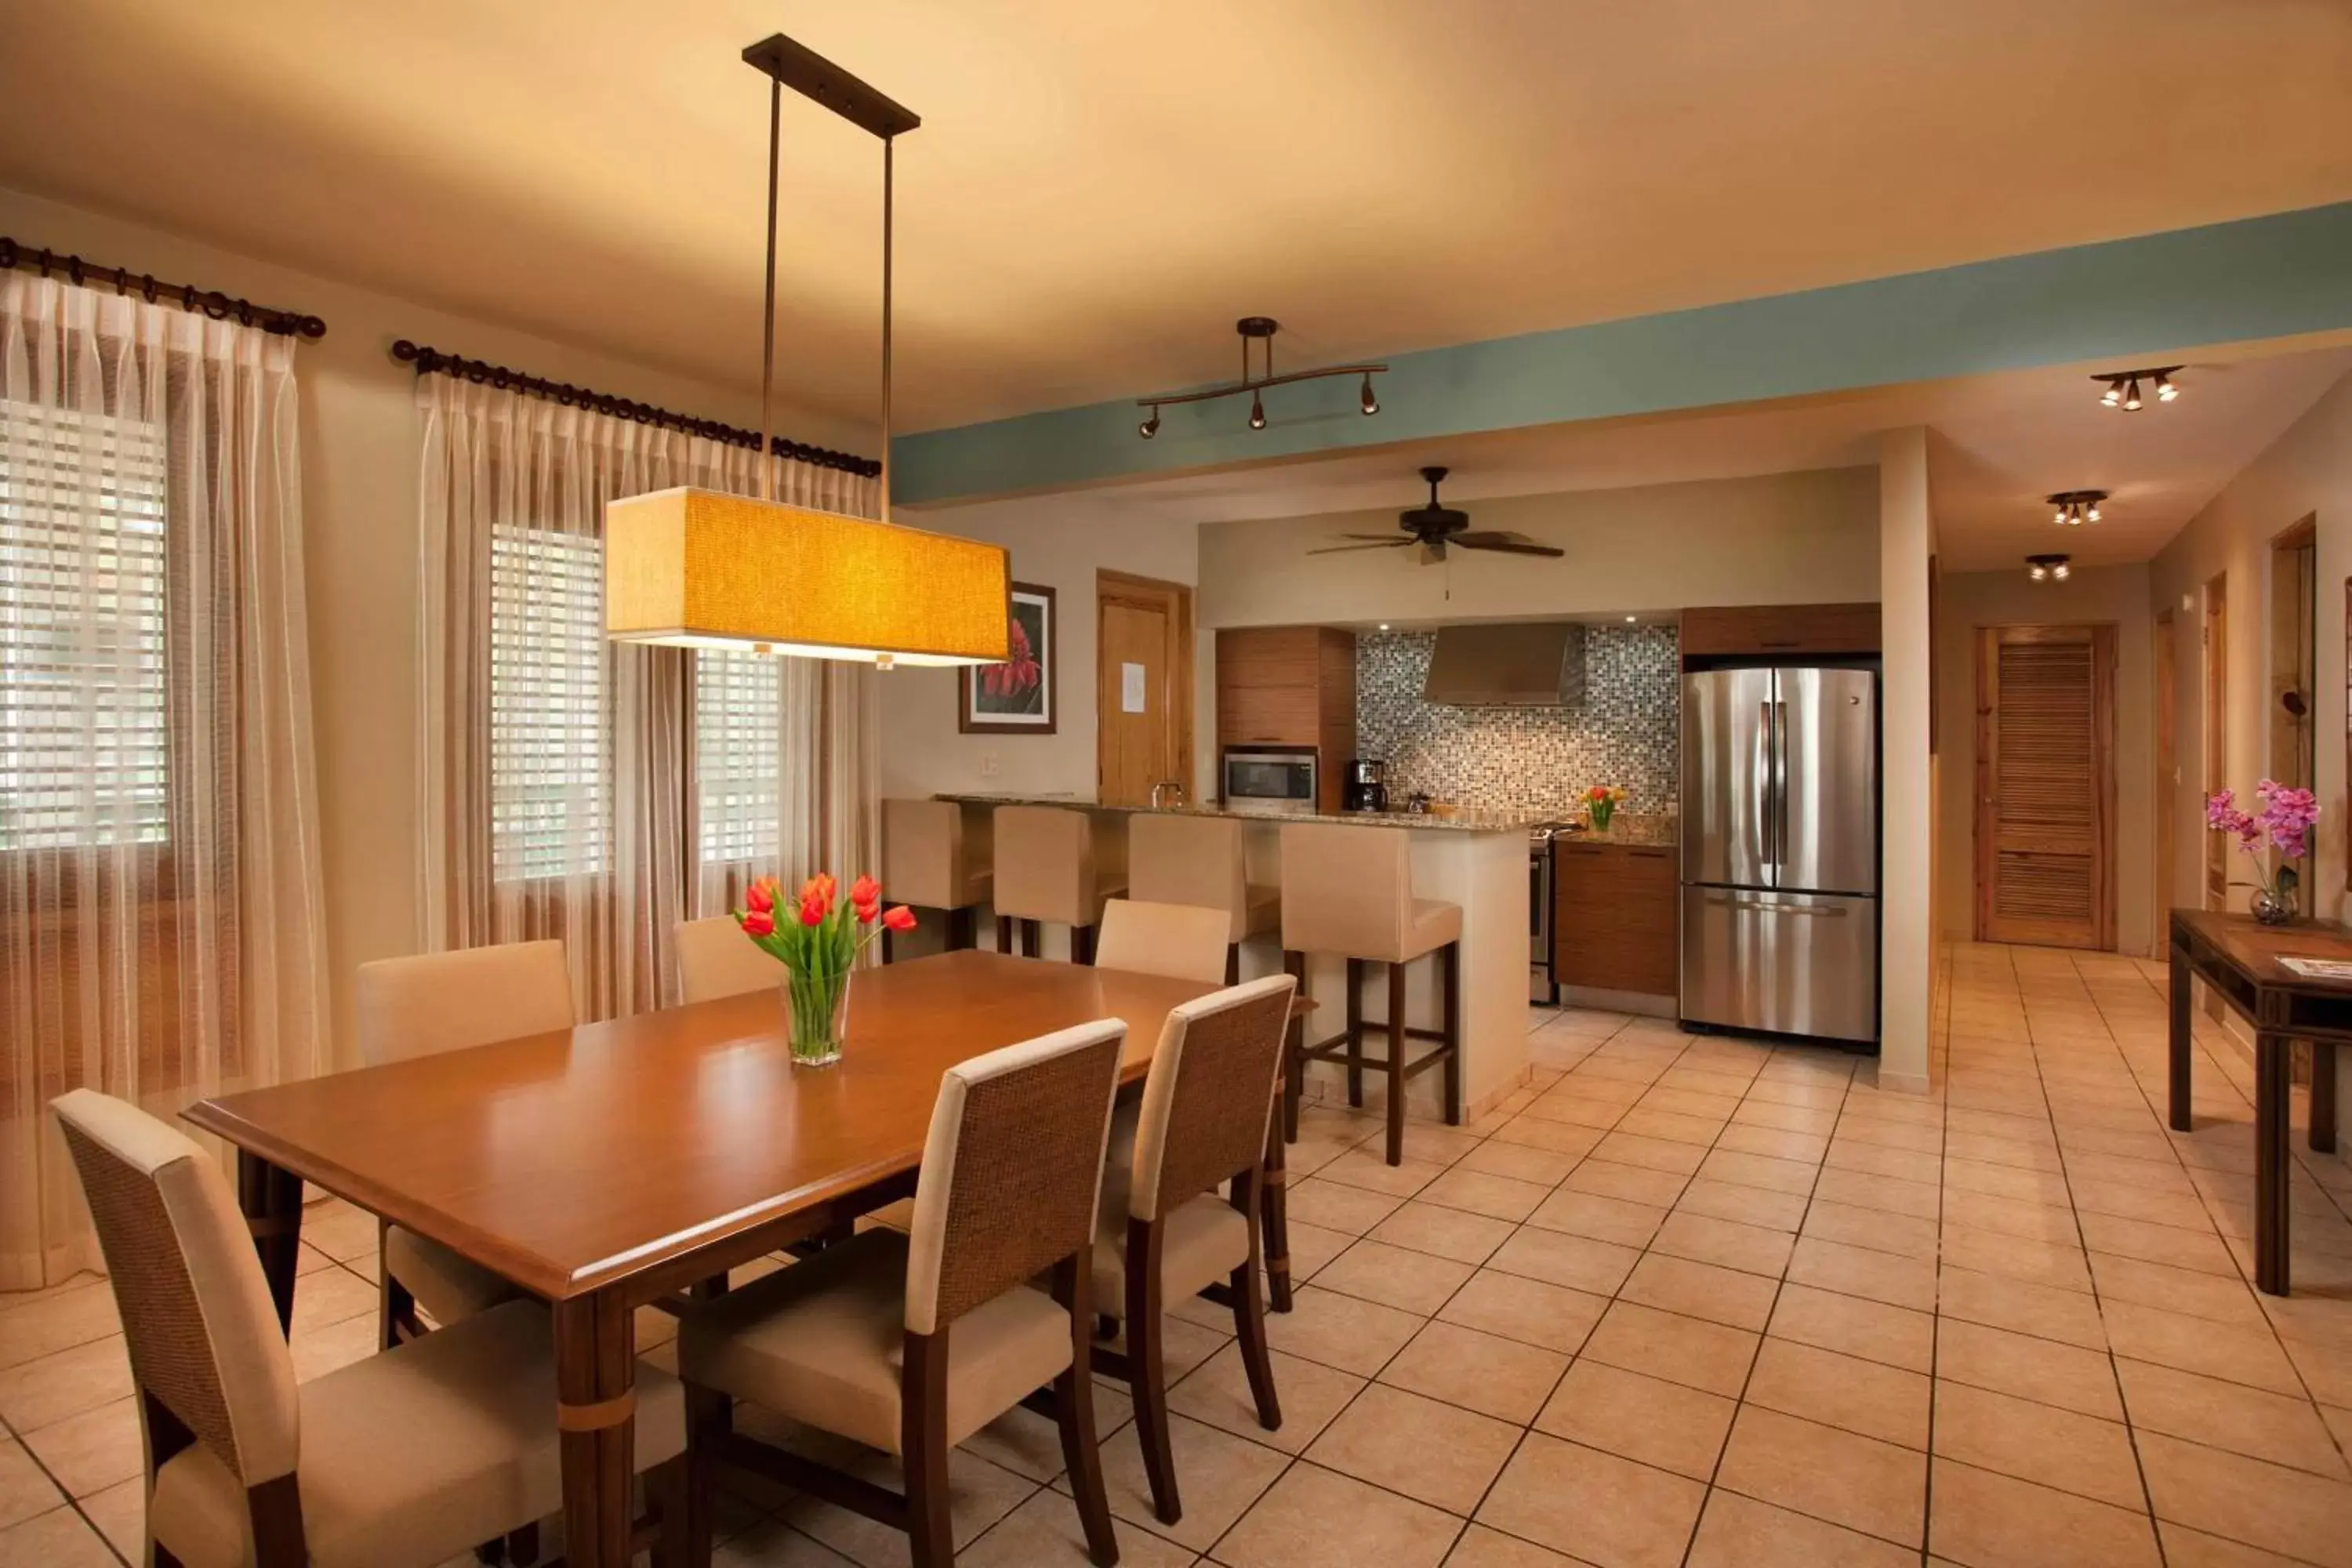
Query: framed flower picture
1017	697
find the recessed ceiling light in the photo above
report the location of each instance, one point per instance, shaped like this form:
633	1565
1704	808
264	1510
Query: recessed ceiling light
1631	619
1384	625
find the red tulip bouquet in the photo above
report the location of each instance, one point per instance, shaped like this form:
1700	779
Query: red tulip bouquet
818	943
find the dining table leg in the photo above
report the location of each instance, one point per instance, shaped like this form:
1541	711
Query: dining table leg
271	1200
2273	1076
595	1414
2178	1046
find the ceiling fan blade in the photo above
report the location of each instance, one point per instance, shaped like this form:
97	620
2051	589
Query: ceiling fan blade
1341	548
1383	538
1510	543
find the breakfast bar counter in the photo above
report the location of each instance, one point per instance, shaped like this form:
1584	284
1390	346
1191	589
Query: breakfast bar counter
1475	859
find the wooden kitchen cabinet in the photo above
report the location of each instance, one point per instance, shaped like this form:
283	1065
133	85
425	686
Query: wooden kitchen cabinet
1779	629
1613	916
1290	686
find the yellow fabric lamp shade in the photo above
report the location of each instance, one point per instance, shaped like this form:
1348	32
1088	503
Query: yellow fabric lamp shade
697	568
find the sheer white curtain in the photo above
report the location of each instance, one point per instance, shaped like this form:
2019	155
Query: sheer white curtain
161	933
594	791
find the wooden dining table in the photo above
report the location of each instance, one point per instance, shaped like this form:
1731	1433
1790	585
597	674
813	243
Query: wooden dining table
605	1167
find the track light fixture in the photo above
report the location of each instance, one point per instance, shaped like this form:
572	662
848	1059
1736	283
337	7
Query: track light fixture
2047	568
2075	508
1260	328
2123	386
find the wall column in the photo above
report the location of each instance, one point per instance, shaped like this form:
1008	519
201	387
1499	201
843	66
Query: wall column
1906	875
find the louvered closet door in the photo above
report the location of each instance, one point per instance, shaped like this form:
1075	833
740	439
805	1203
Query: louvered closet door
2045	785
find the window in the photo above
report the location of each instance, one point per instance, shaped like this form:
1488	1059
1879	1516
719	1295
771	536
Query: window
551	726
738	704
84	731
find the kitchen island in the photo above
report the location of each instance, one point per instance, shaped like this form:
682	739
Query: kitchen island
1475	859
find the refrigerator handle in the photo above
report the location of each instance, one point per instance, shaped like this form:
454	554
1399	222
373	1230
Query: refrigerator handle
1780	783
1767	811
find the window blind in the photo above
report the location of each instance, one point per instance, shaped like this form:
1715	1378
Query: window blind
738	706
84	727
551	725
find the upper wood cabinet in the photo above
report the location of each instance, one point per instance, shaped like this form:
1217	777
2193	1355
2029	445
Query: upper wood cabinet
1776	630
1290	686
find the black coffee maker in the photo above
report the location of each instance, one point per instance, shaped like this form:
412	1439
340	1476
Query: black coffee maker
1367	787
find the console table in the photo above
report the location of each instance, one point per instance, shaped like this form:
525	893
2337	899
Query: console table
2239	958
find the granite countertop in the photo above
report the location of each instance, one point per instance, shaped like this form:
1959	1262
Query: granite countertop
1461	821
1644	831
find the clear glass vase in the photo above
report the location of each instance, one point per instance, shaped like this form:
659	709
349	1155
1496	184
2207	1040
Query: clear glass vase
2270	909
817	1016
1600	812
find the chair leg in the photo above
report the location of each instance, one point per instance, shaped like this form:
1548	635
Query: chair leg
669	1497
1004	933
1074	1412
886	955
1033	939
1082	944
710	1418
1356	1034
1147	1370
1249	1309
923	1444
1232	964
522	1546
1396	1064
1450	961
960	934
1274	1203
1293	1065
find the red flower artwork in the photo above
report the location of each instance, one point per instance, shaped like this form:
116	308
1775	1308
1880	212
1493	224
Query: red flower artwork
1018	674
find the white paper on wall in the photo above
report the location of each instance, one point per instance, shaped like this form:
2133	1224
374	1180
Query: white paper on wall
1130	689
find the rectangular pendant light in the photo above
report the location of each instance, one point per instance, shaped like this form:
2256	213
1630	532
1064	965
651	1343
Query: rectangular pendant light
697	568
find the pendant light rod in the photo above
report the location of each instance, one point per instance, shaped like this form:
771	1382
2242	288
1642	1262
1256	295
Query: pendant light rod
890	146
768	304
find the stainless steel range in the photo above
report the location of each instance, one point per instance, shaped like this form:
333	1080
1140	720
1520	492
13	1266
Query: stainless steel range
1543	986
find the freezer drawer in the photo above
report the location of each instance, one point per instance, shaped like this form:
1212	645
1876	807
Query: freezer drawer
1798	963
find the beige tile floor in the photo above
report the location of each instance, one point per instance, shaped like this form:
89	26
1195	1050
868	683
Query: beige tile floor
1684	1301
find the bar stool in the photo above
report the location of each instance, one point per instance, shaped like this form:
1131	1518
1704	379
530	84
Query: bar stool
935	856
1058	865
1348	892
1198	860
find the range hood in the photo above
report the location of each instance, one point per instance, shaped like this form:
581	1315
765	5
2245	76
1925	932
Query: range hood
1525	664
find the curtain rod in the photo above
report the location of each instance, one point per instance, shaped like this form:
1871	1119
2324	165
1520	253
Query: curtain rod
220	307
429	361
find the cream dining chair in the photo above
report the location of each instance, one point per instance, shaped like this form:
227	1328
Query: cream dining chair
1182	942
1164	1233
437	1001
715	958
910	1344
408	1457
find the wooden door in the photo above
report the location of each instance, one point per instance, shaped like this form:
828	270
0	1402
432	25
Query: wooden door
2216	737
2045	785
1143	688
2168	771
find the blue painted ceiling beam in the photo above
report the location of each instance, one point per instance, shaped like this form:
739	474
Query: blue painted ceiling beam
2277	276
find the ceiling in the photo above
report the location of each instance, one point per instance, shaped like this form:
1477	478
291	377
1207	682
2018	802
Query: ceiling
1099	190
2005	442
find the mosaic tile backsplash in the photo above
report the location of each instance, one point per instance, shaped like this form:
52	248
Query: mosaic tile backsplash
1528	759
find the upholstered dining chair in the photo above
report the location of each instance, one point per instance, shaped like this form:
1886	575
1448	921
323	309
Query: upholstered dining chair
437	1001
910	1344
715	958
410	1457
1182	942
1164	1232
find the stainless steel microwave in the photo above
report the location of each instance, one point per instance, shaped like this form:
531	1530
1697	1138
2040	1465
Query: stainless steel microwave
1271	778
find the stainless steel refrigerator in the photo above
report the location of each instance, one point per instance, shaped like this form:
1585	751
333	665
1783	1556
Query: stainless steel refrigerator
1780	850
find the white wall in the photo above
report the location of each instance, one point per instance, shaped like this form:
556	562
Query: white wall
359	435
1061	545
1973	600
1796	538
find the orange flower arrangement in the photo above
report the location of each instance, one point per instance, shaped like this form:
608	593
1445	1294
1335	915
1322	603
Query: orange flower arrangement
817	941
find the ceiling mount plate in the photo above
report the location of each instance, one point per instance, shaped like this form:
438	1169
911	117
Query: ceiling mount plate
1257	326
813	76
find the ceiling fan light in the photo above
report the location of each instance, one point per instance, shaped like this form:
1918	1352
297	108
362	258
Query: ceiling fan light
1366	401
1257	411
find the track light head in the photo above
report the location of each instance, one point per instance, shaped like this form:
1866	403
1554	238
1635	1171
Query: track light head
1366	401
1150	426
2060	571
1257	411
2046	568
2114	395
2165	391
2131	396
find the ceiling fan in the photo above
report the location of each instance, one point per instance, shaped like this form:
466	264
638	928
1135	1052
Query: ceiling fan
1433	526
